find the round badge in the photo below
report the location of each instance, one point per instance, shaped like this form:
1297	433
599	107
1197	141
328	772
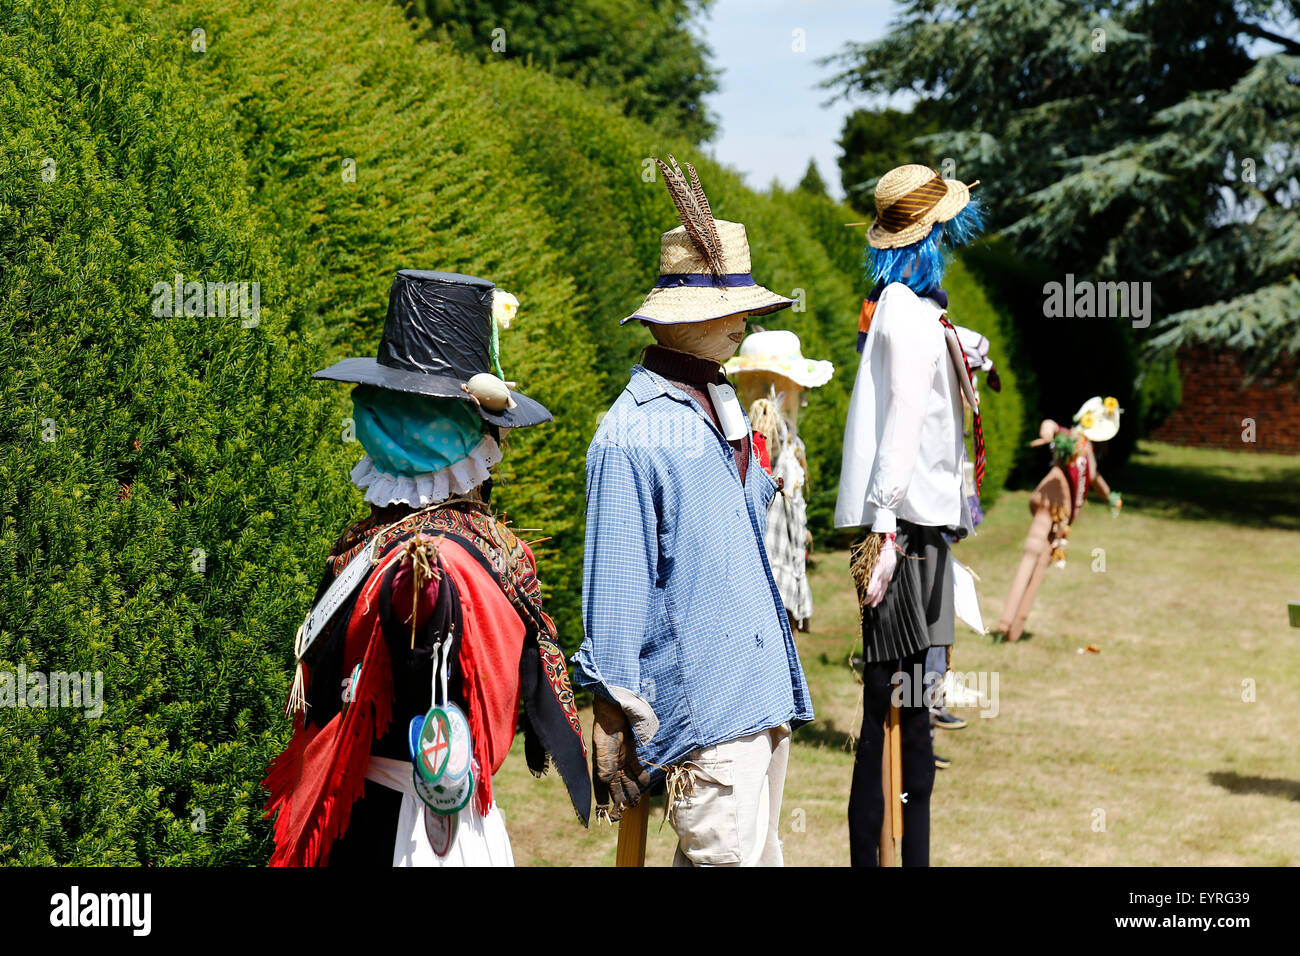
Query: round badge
423	789
460	746
454	797
440	831
435	745
413	734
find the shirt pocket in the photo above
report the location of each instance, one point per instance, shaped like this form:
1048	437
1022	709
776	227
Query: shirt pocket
706	816
764	490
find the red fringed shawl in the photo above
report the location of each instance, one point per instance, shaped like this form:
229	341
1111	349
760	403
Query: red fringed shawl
316	781
322	773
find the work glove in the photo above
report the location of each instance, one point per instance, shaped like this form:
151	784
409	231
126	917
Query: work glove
618	779
882	573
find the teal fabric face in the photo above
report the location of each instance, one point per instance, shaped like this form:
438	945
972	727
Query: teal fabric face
412	434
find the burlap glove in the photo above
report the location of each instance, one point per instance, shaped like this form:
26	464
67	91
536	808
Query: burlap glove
618	779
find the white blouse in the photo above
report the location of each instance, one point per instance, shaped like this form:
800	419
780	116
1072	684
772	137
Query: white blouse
903	446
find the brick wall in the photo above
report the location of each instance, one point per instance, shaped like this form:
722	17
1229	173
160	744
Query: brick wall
1215	403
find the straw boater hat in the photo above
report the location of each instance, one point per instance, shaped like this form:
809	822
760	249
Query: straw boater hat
778	351
909	201
703	263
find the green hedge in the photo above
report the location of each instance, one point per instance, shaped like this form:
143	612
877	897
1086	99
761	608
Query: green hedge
169	436
227	164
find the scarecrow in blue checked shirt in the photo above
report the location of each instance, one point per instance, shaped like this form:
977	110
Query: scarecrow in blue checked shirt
688	649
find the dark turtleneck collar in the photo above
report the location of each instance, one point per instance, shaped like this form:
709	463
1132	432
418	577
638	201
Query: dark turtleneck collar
680	366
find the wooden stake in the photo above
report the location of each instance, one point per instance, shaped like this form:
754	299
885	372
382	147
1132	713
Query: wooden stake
891	780
632	834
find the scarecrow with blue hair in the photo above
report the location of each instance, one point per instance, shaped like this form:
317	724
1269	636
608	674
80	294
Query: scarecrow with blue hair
901	481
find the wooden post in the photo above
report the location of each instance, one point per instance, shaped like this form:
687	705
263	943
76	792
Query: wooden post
891	781
632	834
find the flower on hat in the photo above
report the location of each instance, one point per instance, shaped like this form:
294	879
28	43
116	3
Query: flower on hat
1087	420
504	307
1112	405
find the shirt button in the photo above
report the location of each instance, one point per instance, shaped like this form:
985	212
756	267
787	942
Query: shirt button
758	640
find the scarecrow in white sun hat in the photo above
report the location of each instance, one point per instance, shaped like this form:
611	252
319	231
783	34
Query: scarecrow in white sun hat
688	649
427	632
772	378
1056	501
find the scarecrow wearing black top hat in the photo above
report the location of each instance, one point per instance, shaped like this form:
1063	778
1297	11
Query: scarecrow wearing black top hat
427	631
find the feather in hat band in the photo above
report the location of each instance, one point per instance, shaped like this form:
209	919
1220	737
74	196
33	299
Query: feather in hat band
911	208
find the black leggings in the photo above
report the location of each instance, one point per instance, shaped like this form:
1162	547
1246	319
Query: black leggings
866	802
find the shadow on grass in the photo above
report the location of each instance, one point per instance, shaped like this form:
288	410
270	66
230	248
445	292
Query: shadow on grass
824	733
1237	488
1268	786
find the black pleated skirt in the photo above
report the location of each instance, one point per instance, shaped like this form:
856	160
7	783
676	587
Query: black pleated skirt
917	611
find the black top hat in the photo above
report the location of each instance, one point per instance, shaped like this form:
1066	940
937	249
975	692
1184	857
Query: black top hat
437	336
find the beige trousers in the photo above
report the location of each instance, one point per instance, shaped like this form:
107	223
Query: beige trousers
728	808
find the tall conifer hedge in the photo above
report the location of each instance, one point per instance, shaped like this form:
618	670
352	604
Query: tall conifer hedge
164	503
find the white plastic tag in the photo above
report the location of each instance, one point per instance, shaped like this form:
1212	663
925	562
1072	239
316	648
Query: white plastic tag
349	578
730	418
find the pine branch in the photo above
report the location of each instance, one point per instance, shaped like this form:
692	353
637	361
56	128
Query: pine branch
1255	30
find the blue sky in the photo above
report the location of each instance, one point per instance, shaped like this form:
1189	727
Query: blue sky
769	108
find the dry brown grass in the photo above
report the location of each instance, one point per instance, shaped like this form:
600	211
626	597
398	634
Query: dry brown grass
1153	731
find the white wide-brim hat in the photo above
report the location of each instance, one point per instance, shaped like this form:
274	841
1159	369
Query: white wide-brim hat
688	292
777	350
909	201
1105	414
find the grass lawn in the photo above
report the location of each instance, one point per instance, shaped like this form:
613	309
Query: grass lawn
1144	754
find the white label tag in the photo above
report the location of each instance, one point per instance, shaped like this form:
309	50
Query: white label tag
356	571
959	366
730	418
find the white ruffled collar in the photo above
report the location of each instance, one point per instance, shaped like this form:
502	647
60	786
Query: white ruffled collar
431	487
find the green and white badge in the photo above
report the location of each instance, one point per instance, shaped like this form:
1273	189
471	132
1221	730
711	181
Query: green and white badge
442	747
434	749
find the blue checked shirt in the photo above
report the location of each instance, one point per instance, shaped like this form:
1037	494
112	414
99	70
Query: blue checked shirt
684	624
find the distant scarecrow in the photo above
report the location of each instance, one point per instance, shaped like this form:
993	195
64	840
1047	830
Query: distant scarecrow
427	632
688	649
901	478
772	378
1056	501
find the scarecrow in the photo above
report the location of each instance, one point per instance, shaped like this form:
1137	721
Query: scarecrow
901	478
772	378
688	649
1056	501
427	631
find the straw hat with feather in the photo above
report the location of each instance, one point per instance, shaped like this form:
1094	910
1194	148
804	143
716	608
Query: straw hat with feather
910	200
704	267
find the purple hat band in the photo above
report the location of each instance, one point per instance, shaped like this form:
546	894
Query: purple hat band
732	280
